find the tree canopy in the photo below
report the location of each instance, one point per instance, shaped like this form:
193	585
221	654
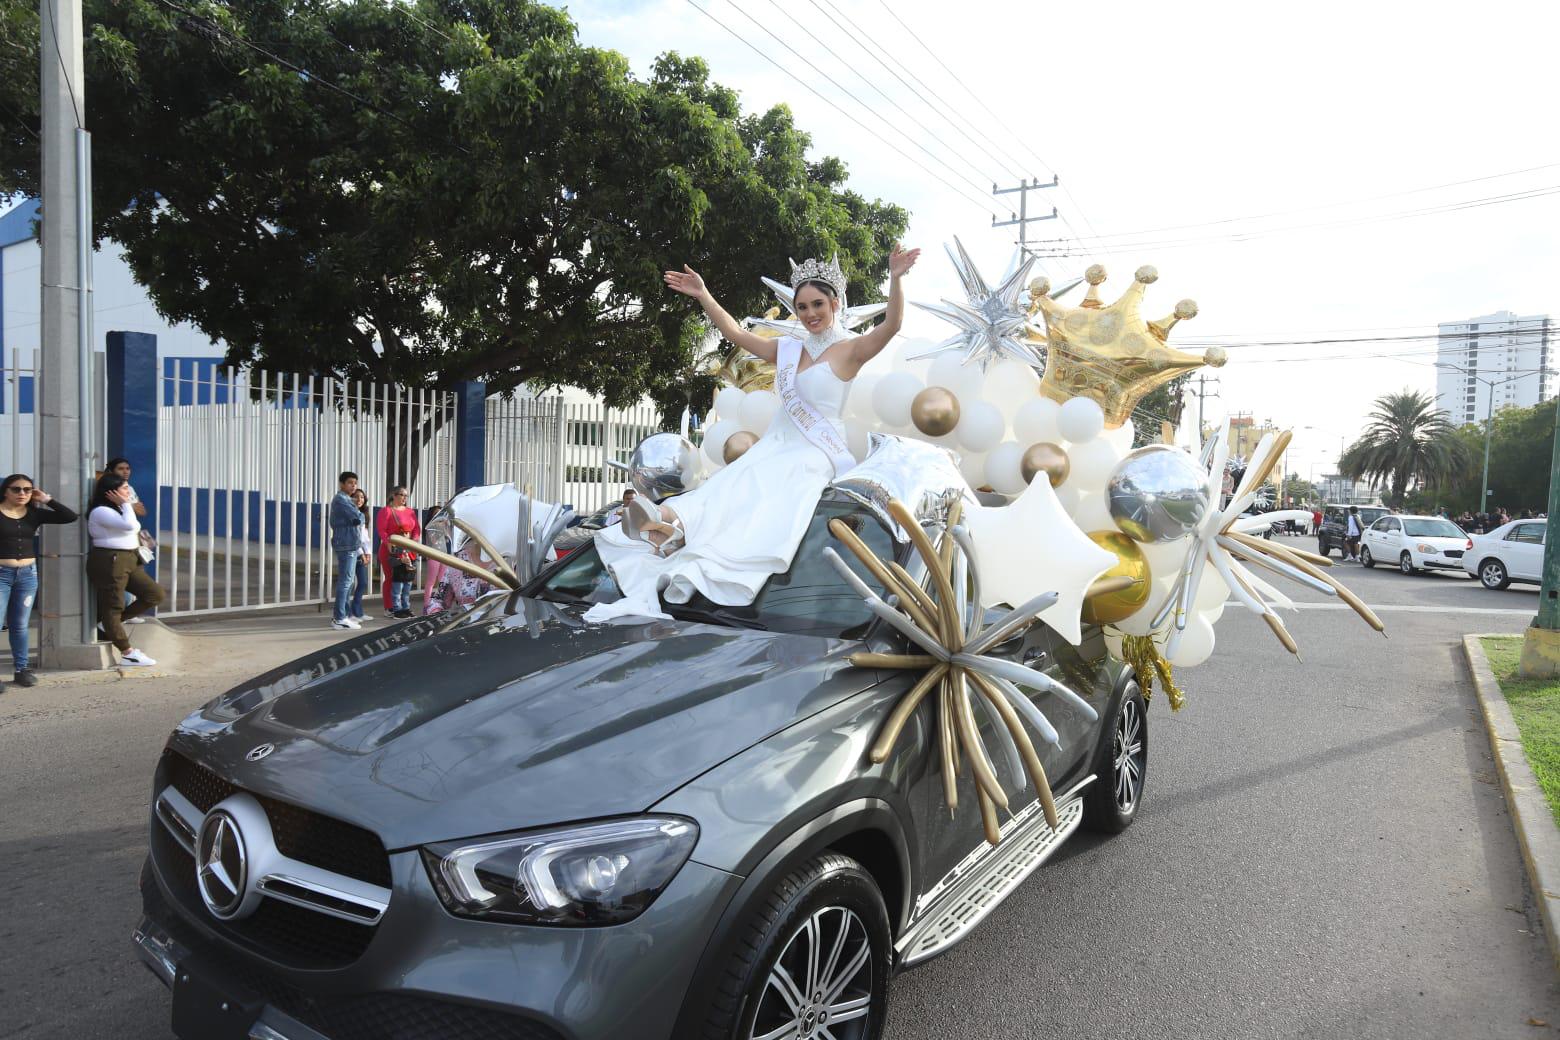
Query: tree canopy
433	191
1406	442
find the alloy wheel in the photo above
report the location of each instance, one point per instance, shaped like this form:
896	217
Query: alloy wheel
1129	755
1406	563
820	987
1366	558
1492	574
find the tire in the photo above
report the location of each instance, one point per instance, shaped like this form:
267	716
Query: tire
815	903
1366	559
1111	803
1321	547
1492	574
1406	563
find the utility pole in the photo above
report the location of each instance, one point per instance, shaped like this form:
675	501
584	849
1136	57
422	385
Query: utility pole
64	394
1541	641
1202	392
1022	218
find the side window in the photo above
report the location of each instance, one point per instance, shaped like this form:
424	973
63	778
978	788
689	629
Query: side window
1391	525
1532	534
1382	525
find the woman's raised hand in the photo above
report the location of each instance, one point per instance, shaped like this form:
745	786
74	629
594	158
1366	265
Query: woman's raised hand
901	260
686	281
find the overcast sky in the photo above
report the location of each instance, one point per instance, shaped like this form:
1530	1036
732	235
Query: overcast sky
1330	115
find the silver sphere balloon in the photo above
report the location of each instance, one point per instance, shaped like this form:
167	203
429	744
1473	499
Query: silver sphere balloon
1157	494
663	464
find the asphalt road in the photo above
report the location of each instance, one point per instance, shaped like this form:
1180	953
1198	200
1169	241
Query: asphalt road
1323	851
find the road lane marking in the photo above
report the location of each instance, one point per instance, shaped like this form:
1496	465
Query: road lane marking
1381	608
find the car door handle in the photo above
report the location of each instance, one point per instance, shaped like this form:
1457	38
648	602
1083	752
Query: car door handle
1033	656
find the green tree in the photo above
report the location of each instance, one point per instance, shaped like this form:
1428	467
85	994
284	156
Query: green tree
1161	404
1406	442
1521	443
432	191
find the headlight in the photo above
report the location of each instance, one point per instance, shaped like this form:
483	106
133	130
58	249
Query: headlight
1432	550
594	874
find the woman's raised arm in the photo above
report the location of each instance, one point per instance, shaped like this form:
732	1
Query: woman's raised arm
867	346
689	283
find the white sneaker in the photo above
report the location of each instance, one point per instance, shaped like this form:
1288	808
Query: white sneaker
136	621
343	624
135	657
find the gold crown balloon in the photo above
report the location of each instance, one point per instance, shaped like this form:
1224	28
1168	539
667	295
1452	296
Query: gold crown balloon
1109	353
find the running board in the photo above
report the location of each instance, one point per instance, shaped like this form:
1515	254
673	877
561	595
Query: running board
975	889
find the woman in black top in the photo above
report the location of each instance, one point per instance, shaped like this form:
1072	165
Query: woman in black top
25	508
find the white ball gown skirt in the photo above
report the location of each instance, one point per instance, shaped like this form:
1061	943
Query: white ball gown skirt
743	525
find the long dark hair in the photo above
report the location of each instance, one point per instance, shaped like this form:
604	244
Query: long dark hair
822	286
361	508
106	483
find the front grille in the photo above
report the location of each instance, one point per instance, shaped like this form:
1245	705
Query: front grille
358	1016
1454	554
300	834
285	933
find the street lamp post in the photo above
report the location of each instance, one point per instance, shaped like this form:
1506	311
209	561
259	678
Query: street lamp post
1541	642
1489	423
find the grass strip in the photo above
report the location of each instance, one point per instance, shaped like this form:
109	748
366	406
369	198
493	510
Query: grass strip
1535	705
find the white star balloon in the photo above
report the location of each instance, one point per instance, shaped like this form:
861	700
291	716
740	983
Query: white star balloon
1033	546
991	324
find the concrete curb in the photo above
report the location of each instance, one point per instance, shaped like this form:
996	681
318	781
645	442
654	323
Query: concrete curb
1537	834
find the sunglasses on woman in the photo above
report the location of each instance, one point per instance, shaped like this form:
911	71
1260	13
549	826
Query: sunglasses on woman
21	490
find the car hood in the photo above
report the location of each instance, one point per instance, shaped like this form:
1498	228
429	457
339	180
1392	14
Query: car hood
517	714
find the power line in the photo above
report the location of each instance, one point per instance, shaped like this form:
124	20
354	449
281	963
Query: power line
982	203
861	76
871	46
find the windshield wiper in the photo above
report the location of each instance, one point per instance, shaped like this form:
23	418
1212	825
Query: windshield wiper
715	616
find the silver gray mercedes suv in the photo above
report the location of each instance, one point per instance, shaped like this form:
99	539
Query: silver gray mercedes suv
508	824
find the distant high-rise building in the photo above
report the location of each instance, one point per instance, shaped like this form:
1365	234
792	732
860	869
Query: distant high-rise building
1491	362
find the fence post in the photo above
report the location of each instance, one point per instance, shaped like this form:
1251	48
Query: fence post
132	401
470	434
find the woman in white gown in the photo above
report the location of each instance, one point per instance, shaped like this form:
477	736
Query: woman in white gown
727	537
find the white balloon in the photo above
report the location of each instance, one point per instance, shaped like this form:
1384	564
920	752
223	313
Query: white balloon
1092	513
963	380
1010	385
973	467
758	410
1002	468
1091	464
1080	420
729	403
1068	495
715	439
1158	591
1211	592
859	403
1036	422
1196	644
1121	437
892	397
856	438
903	348
980	426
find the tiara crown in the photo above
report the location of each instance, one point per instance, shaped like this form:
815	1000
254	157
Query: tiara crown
818	271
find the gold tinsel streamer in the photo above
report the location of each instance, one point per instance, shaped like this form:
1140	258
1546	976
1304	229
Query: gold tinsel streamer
1141	653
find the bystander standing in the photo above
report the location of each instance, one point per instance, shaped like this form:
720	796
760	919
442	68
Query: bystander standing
365	555
1352	533
345	544
115	566
23	510
400	565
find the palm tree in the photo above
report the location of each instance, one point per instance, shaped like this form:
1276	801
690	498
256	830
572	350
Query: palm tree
1407	441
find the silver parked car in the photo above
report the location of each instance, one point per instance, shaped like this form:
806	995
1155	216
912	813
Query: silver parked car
508	824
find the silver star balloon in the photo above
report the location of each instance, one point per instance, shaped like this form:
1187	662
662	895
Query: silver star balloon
991	324
851	318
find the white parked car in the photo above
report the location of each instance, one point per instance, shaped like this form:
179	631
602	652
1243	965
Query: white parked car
1415	543
1511	552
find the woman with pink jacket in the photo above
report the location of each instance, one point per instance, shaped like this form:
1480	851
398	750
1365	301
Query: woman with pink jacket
399	566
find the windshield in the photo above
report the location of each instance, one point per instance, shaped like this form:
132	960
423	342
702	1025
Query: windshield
809	598
1434	528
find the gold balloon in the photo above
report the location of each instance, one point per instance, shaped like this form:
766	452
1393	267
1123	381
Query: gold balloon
1109	353
935	411
1111	607
737	445
1045	458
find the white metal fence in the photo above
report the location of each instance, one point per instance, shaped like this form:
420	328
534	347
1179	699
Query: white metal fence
561	451
247	467
19	414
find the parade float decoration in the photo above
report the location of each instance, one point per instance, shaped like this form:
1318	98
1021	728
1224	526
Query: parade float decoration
1021	424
